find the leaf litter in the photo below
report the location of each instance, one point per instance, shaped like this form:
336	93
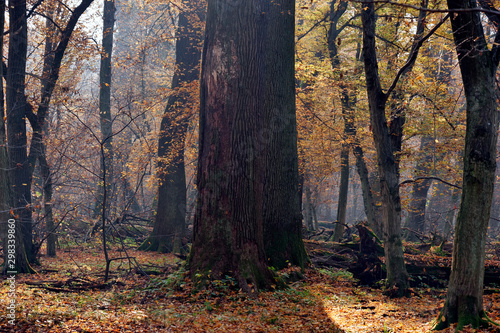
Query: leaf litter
165	301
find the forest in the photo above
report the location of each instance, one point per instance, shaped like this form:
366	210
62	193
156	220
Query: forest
249	166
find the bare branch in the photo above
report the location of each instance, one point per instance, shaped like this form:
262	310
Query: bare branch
429	178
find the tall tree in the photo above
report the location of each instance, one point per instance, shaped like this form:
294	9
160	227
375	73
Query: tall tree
282	216
478	66
104	188
16	124
18	110
20	264
170	218
387	136
350	139
234	159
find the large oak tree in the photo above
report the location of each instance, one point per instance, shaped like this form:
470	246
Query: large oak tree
244	77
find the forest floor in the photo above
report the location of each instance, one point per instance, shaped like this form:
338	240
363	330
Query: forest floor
68	295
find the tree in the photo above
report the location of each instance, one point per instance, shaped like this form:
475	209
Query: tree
348	99
170	217
478	66
21	264
18	110
16	129
105	186
282	216
234	157
388	138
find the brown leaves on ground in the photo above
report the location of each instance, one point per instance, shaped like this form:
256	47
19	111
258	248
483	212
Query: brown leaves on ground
325	301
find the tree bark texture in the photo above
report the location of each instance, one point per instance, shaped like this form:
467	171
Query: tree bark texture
170	219
277	138
478	65
16	126
228	225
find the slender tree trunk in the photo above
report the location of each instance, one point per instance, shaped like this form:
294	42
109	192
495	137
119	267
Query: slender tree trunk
416	210
333	34
228	226
354	201
372	214
478	65
105	108
387	164
282	214
343	190
170	222
348	102
308	217
49	57
47	204
451	214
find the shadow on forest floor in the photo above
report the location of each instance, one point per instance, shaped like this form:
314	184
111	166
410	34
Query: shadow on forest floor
68	296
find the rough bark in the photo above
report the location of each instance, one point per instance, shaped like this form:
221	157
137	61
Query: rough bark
16	126
278	139
416	210
105	117
228	225
170	223
478	66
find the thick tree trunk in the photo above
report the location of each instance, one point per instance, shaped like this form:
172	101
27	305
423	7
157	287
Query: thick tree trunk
478	65
105	111
416	210
16	128
228	226
170	222
278	139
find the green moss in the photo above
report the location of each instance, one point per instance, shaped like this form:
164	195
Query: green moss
476	321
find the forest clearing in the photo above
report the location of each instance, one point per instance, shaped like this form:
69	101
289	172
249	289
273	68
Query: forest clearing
67	295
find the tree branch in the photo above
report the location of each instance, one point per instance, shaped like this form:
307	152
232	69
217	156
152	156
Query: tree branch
429	178
414	53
